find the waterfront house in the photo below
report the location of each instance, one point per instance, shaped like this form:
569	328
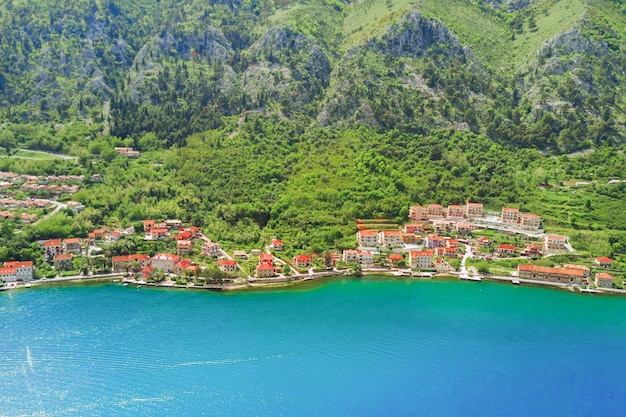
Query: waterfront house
530	221
417	213
456	211
350	256
17	271
390	238
72	245
604	280
367	238
277	244
52	248
510	215
146	273
586	270
302	261
421	259
264	271
505	249
555	242
434	210
165	262
184	246
365	258
227	265
473	210
213	250
63	262
604	262
544	273
184	265
395	259
266	258
124	263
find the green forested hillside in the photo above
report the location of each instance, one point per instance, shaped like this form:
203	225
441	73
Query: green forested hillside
265	117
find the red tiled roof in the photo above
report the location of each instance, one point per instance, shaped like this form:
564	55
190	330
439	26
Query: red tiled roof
18	264
604	275
509	209
395	257
63	257
7	271
422	253
226	262
71	240
555	237
302	258
547	269
529	215
506	247
52	242
604	260
183	263
138	257
265	267
121	258
277	242
390	232
368	233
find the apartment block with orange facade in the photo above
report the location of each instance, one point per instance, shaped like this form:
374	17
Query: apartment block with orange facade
510	215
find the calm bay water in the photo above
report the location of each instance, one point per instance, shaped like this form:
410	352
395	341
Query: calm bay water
366	348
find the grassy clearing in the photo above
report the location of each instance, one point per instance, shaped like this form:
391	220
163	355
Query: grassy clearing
28	154
371	18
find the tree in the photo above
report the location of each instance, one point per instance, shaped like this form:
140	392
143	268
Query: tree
7	140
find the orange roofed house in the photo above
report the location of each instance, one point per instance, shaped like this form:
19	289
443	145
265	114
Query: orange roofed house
277	244
72	245
227	265
530	221
390	238
604	280
52	248
555	242
544	273
264	271
510	215
434	210
125	263
367	238
421	259
474	210
302	261
456	211
165	262
63	262
604	262
417	213
17	271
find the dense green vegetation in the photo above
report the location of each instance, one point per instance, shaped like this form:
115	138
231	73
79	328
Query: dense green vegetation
289	118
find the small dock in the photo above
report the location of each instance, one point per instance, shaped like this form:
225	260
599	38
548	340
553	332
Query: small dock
470	278
515	281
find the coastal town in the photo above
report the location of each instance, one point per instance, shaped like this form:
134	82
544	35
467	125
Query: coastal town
459	241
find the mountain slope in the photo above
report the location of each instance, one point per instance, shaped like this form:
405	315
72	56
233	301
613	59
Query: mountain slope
542	73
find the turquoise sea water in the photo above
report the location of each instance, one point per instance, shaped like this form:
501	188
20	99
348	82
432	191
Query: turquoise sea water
363	348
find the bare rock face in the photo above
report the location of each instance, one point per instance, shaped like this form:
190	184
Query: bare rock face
287	65
416	36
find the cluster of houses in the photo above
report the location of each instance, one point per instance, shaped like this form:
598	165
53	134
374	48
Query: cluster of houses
470	211
145	265
51	184
569	274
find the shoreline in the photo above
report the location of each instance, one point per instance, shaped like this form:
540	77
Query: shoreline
306	281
